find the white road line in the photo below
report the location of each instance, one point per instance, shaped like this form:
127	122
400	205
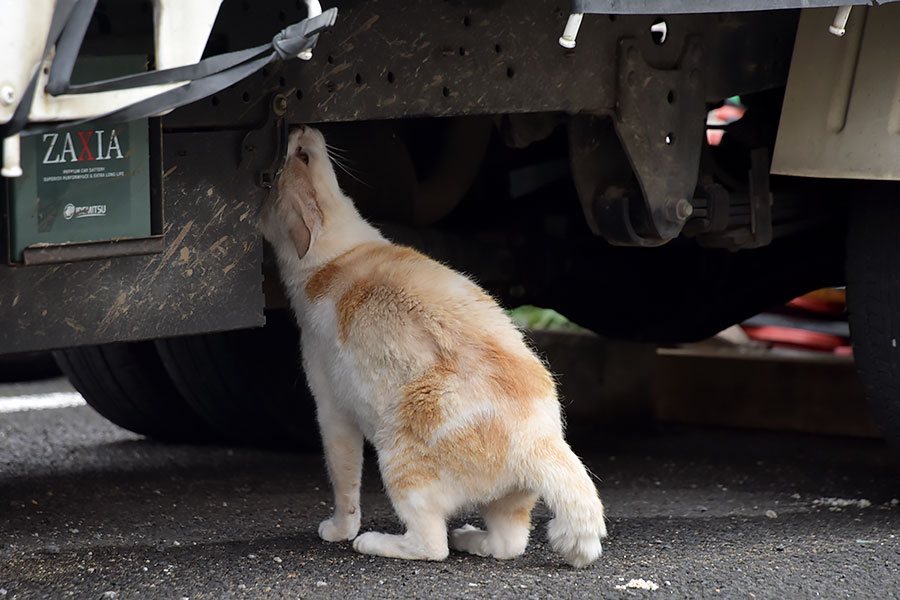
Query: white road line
40	402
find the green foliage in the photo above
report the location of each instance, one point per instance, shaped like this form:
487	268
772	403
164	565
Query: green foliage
533	317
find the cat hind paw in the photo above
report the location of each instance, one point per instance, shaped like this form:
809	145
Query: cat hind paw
470	539
398	546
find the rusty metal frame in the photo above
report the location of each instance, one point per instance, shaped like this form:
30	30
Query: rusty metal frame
387	59
208	277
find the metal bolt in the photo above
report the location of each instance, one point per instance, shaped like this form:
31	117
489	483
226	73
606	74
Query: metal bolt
679	210
7	94
279	104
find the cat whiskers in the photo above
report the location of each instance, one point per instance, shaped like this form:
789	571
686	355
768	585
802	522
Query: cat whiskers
334	148
334	151
340	162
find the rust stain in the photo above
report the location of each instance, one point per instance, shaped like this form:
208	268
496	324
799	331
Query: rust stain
171	249
363	28
74	324
106	266
337	69
50	273
170	171
114	311
217	244
209	223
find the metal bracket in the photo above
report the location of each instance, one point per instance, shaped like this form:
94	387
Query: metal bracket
760	199
661	123
712	207
636	173
736	221
263	149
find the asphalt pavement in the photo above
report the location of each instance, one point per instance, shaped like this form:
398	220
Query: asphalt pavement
88	510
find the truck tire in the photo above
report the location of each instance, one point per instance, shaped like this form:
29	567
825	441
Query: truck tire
873	302
127	384
248	384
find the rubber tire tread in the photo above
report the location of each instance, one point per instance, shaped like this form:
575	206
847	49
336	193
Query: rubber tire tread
128	384
248	384
873	302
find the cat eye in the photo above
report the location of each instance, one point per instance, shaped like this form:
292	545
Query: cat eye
303	156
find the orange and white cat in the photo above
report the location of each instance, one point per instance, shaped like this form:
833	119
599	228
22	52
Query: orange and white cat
416	358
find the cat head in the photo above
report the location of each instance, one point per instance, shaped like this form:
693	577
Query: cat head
296	213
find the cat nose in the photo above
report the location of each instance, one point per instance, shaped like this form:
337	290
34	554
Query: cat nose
298	128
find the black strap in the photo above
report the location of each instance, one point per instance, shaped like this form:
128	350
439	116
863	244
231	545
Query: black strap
20	117
68	45
301	35
205	78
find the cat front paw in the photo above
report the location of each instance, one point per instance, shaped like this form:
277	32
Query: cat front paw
338	530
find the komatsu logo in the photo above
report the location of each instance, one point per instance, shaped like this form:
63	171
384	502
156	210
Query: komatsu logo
96	144
79	212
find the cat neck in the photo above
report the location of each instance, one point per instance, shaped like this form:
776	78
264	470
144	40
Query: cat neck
337	239
332	242
342	229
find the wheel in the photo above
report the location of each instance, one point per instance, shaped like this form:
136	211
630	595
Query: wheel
873	301
247	384
127	384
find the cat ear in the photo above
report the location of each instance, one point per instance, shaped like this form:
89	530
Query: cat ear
300	235
299	198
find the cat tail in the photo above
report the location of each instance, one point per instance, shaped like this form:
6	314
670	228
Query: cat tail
566	487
